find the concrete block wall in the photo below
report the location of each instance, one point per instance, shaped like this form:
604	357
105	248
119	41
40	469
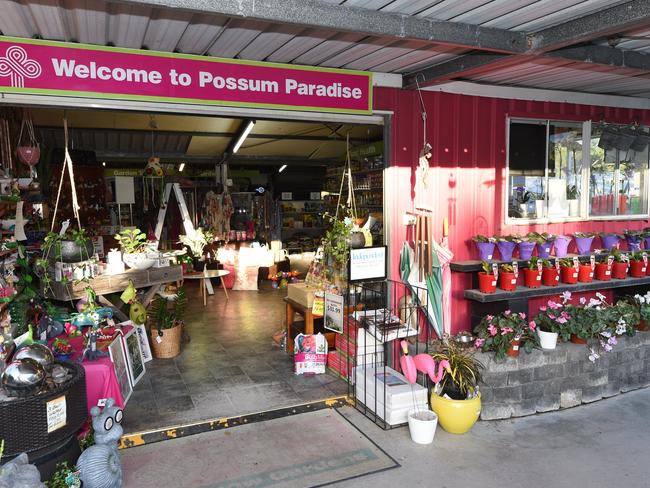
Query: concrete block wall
550	380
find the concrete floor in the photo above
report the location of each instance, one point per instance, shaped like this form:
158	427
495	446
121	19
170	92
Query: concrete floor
601	445
230	367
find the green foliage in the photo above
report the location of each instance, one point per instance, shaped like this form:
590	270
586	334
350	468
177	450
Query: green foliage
507	268
482	238
335	243
465	368
584	234
547	263
539	237
566	263
532	263
88	440
636	256
486	267
59	476
496	333
197	241
619	257
132	241
166	318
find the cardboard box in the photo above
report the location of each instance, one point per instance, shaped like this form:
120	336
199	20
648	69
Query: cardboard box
301	293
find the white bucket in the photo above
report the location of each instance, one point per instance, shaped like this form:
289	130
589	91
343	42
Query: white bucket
422	426
547	340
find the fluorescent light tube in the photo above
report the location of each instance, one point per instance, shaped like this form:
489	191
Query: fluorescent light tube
282	168
243	136
181	167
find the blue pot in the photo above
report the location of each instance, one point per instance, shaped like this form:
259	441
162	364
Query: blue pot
544	250
505	249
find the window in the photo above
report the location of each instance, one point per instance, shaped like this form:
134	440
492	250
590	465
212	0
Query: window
551	178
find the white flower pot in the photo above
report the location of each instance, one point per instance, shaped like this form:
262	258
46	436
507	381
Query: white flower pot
574	208
422	426
138	260
540	208
547	340
523	209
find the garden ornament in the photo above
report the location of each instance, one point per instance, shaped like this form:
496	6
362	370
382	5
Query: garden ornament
100	465
153	168
422	363
18	473
91	352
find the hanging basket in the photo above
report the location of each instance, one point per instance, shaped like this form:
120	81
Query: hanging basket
28	155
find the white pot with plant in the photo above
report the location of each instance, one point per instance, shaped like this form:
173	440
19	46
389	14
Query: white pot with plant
573	199
134	245
549	323
196	241
540	206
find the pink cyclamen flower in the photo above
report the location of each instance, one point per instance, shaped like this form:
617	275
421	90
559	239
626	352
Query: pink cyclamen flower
479	342
542	308
506	330
561	320
565	315
489	318
612	341
583	300
566	296
553	305
532	325
492	330
522	315
507	312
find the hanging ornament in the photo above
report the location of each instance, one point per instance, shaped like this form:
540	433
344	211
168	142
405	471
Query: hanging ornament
28	151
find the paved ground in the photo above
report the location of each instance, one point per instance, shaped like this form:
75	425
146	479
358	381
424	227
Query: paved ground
601	445
230	366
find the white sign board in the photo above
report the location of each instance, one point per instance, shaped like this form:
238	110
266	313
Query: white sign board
287	195
333	316
367	263
56	414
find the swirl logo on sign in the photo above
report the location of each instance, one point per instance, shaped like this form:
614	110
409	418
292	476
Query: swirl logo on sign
16	65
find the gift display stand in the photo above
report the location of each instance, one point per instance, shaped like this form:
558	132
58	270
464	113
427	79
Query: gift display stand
367	352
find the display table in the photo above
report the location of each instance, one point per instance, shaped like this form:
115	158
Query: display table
101	381
206	286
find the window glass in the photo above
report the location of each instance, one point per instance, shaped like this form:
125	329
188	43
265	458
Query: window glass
527	168
564	169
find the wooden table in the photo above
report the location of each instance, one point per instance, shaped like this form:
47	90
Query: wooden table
294	307
206	287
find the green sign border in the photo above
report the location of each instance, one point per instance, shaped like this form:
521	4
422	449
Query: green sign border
194	57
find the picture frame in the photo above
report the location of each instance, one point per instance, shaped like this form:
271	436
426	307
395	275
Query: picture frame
145	347
117	353
134	357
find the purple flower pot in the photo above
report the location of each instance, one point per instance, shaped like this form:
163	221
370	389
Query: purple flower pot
562	246
633	243
485	250
544	250
609	242
526	250
505	249
646	243
584	244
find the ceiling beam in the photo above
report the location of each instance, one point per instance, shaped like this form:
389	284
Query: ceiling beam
173	157
604	22
603	55
318	14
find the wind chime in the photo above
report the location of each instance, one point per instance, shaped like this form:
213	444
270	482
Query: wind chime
153	174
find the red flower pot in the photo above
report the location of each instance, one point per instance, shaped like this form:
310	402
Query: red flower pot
637	269
619	270
643	325
486	283
507	281
585	273
577	340
532	278
602	272
513	350
569	275
550	277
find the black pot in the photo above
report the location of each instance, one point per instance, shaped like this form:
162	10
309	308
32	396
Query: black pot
357	240
71	252
453	392
198	265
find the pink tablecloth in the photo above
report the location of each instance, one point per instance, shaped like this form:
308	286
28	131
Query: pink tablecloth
101	381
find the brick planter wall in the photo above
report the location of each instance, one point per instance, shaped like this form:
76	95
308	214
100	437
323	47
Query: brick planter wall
550	380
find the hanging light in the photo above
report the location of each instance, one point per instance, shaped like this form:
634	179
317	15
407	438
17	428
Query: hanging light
282	168
181	167
247	130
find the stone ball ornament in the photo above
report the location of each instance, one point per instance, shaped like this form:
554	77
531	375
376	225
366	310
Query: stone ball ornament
23	377
38	352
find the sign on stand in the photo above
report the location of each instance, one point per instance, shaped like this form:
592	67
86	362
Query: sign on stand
367	264
56	414
334	312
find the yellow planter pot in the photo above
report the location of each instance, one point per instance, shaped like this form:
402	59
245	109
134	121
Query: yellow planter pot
456	416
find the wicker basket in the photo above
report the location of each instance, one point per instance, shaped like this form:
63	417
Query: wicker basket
170	344
23	421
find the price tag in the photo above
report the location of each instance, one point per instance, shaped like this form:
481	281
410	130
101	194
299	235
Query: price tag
645	258
576	262
592	261
515	268
158	339
539	266
610	261
495	270
557	265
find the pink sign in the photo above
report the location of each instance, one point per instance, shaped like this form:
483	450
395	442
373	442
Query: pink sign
42	67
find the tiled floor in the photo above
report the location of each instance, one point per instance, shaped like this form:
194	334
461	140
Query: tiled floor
230	366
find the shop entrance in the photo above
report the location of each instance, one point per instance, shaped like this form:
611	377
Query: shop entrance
263	188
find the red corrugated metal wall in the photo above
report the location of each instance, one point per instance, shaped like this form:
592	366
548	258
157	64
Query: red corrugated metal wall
468	135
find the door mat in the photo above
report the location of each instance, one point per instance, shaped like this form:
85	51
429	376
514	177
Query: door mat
308	450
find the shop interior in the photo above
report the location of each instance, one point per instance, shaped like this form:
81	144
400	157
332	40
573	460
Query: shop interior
262	188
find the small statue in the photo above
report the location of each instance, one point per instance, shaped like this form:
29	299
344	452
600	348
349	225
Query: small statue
18	473
100	465
91	352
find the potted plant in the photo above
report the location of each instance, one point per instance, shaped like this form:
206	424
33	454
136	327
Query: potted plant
523	197
584	241
620	265
533	273
633	238
588	320
585	272
638	264
540	205
561	245
485	246
643	302
507	277
166	325
526	246
624	316
506	245
505	333
487	282
133	243
550	322
544	242
196	241
603	268
568	271
550	274
646	237
62	349
71	247
609	240
573	199
460	408
335	244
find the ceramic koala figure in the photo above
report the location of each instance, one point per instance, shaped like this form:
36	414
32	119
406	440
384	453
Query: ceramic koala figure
18	473
100	465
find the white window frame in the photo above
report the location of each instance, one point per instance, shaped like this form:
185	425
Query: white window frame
586	180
